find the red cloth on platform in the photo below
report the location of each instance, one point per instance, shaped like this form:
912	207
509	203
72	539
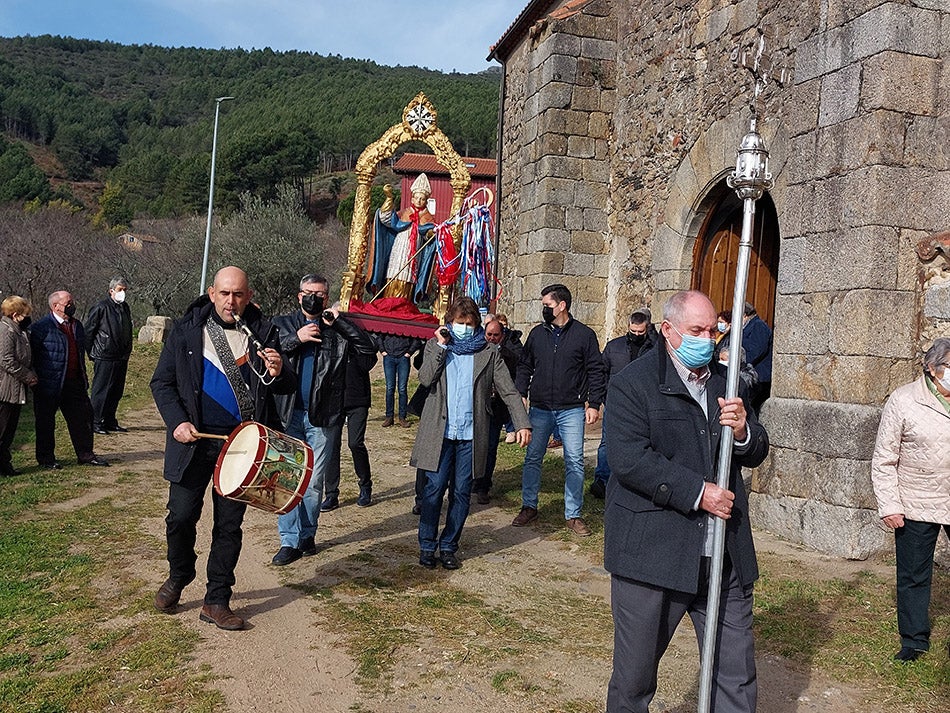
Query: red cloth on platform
393	308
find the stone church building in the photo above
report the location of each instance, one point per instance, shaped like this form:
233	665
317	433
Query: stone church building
619	123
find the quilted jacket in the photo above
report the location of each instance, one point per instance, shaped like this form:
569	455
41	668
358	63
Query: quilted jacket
910	469
15	360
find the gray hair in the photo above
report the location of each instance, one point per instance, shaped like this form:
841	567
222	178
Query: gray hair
938	352
312	277
118	280
676	305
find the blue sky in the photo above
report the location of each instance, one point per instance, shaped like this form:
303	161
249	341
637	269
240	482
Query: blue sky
439	34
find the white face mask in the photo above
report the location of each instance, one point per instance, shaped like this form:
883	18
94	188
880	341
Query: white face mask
944	381
119	296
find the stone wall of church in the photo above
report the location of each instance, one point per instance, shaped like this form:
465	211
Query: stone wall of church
859	143
559	100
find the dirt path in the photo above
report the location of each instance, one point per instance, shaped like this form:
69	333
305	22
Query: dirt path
292	659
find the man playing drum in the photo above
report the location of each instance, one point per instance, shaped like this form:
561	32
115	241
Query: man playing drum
208	380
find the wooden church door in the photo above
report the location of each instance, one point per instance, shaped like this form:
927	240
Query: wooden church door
717	250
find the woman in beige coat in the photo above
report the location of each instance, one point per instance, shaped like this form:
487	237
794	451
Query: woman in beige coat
910	471
15	372
462	372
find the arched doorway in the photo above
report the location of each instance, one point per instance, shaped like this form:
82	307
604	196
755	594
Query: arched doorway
716	253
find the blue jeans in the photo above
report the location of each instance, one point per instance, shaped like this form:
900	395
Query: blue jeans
602	471
455	467
301	523
570	423
396	369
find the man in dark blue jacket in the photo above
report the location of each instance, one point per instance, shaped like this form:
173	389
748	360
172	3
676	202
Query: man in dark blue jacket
317	344
59	359
665	416
562	370
208	380
757	342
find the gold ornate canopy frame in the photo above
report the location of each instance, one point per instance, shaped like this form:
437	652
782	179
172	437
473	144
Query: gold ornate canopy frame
418	124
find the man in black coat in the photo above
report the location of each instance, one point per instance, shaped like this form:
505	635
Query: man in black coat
665	414
108	329
317	344
208	380
357	398
618	352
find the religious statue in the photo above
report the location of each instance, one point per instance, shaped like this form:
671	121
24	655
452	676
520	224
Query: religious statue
404	245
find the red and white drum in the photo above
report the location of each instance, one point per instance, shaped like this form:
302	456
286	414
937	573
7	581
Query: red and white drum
263	468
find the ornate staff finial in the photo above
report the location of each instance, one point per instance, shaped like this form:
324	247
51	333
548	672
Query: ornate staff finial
757	59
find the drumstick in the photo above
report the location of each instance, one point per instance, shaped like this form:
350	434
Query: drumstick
198	434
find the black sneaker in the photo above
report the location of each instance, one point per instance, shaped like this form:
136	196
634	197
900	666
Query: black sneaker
427	559
308	548
286	555
366	497
331	502
450	561
907	654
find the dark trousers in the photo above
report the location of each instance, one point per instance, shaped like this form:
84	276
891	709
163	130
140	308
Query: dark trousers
9	419
356	442
185	501
914	546
108	384
483	483
645	618
73	401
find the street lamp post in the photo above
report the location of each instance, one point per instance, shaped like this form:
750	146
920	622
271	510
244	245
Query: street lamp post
750	180
214	149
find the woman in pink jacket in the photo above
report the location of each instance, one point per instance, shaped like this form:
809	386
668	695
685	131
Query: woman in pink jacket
910	471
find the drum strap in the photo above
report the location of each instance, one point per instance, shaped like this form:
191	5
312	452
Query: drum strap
223	349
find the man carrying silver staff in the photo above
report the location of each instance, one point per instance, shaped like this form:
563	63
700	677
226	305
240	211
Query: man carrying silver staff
207	381
665	416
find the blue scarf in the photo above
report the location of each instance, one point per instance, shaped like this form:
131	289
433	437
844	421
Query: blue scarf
468	345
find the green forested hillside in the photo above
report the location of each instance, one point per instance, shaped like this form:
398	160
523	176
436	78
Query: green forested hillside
141	116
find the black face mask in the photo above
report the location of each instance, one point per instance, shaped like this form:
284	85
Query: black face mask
547	314
635	339
69	310
25	324
312	304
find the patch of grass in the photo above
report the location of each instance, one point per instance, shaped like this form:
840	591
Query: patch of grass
847	629
60	646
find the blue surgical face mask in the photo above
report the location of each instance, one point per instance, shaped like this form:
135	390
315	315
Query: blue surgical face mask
694	352
461	331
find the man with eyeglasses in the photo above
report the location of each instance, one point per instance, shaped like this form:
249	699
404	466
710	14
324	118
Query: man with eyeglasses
318	343
665	416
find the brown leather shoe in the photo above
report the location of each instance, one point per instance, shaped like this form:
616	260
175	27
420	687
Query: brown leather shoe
221	616
404	423
168	595
388	422
578	527
525	516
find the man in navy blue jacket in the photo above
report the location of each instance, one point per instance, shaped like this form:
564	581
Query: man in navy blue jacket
59	359
562	370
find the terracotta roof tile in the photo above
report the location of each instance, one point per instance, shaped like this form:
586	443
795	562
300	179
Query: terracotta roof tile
423	162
